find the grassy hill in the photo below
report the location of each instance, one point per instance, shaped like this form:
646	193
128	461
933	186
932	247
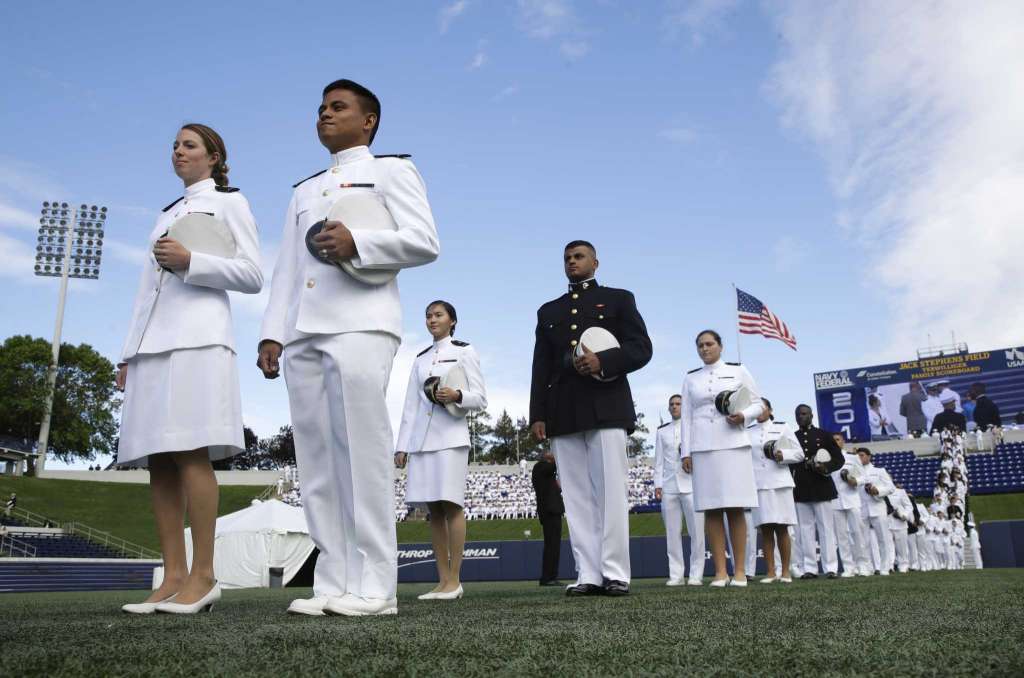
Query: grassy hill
123	509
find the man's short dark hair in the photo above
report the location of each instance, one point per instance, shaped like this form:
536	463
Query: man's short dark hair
864	450
804	405
838	433
979	387
367	99
675	395
581	243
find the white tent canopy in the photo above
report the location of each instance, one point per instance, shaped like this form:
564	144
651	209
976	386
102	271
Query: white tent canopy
251	541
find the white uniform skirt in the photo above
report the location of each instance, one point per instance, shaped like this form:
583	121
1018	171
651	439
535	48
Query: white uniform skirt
438	475
178	401
775	507
723	479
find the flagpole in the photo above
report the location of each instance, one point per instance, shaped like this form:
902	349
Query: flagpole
735	297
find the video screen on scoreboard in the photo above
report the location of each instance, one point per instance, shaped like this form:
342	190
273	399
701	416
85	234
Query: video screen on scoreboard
884	402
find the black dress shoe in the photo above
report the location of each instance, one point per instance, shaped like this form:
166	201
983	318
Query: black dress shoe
808	575
616	588
585	590
552	582
831	575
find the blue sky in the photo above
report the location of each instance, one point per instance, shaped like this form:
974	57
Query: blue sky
847	163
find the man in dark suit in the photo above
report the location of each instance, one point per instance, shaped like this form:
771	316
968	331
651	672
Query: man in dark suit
986	412
584	405
814	493
910	407
549	511
949	418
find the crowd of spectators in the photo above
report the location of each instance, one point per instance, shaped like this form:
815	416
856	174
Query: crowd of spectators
490	495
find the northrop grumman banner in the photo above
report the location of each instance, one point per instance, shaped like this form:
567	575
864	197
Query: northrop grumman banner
877	402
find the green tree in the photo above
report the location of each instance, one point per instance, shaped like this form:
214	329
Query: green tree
85	399
504	448
280	449
529	447
480	431
637	445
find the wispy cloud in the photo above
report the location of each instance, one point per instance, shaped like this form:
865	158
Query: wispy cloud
507	92
27	182
916	109
697	18
129	254
19	258
450	13
479	57
555	20
679	135
14	217
788	253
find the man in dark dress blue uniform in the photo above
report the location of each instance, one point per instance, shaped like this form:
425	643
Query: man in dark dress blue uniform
588	419
549	511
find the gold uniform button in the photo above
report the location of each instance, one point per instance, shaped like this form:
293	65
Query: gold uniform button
572	327
335	170
600	317
573	311
573	342
575	296
310	283
325	193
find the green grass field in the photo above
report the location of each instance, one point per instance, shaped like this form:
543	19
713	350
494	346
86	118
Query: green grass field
968	623
124	510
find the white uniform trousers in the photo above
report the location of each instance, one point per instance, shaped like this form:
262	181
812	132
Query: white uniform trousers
675	507
344	450
811	515
593	473
924	551
876	533
912	555
901	542
849	537
939	552
796	560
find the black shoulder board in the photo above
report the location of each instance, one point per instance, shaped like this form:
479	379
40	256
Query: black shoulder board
696	369
734	364
665	424
456	342
424	351
309	177
173	204
227	189
403	156
778	422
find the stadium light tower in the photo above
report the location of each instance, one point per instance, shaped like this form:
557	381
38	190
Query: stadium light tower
70	246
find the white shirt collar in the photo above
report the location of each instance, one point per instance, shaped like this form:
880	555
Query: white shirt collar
442	341
350	155
199	187
715	365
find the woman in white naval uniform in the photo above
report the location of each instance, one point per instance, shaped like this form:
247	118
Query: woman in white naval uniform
436	444
673	487
182	407
776	510
716	449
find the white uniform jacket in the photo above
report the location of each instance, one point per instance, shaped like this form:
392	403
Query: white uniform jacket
768	473
309	296
427	426
667	466
878	477
902	510
704	427
171	313
849	497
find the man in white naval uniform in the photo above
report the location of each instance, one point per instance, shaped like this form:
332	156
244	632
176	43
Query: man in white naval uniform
875	486
899	519
674	488
846	511
339	337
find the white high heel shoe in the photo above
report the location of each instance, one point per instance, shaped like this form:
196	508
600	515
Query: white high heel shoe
450	595
429	595
204	604
145	608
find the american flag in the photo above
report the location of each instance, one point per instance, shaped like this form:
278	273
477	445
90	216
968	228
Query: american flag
755	318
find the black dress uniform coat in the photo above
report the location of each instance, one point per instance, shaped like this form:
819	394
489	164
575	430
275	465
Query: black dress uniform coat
567	401
811	485
986	413
949	419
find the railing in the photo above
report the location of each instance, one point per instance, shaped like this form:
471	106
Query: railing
32	518
14	547
130	549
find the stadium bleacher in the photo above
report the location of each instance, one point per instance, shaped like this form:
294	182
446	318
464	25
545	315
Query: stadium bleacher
55	545
998	472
